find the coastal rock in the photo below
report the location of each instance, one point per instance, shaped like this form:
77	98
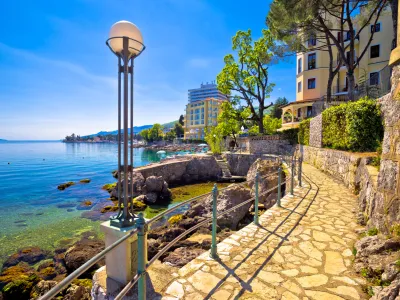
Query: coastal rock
268	179
30	255
181	256
81	252
151	198
154	184
392	292
228	198
138	182
76	292
239	164
17	282
42	288
63	186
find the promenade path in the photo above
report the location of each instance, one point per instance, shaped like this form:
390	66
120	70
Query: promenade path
302	250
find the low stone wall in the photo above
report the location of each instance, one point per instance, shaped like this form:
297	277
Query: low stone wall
353	170
267	144
240	163
339	164
316	131
193	168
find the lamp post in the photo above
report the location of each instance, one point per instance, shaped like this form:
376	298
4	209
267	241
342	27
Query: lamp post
126	42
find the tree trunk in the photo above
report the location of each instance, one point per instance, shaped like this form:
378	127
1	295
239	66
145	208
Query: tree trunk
261	117
260	126
394	7
351	84
329	87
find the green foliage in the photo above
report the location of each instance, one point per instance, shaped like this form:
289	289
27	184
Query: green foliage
153	134
178	128
354	251
180	121
271	125
354	126
170	136
397	263
213	137
246	77
292	135
231	118
364	272
304	132
275	111
372	231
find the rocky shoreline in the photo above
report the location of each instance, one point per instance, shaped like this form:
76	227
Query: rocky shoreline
31	272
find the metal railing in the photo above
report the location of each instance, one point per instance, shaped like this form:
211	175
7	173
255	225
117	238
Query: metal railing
142	227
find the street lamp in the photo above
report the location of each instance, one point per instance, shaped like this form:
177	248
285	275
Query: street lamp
126	42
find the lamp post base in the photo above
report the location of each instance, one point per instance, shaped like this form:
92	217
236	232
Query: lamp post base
122	222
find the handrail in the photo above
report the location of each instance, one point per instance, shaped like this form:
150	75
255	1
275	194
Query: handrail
66	281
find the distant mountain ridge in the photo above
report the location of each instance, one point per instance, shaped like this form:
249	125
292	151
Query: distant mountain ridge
2	140
136	130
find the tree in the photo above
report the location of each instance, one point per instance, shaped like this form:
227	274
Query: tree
271	125
276	111
231	119
145	135
181	120
247	78
331	22
213	137
170	135
156	133
178	129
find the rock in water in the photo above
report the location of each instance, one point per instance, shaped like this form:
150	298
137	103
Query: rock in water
42	288
81	252
154	184
30	255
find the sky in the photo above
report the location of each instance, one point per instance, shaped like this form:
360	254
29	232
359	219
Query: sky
58	77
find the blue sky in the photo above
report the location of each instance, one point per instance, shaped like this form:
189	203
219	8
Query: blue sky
57	76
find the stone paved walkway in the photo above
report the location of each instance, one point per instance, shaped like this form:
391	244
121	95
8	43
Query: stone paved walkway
300	251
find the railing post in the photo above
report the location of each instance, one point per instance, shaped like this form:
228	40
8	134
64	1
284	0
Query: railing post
213	252
142	256
292	177
279	186
256	198
299	173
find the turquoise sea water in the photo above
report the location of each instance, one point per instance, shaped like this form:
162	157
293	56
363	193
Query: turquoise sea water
33	212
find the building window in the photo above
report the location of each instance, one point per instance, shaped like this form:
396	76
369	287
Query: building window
374	53
312	61
311	83
376	27
309	111
299	65
374	78
299	113
299	87
312	41
348	35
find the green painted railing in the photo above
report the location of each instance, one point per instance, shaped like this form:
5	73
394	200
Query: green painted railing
142	228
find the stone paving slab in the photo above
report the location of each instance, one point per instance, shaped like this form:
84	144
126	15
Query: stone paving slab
302	250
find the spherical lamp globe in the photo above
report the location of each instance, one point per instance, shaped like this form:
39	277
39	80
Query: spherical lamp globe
130	30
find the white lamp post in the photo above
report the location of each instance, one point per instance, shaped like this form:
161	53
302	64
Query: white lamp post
126	42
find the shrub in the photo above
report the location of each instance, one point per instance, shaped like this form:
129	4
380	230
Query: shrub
354	126
304	132
175	219
290	134
372	231
395	230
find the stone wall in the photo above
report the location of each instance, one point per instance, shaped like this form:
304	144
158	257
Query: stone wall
240	163
269	144
386	209
339	164
316	131
193	168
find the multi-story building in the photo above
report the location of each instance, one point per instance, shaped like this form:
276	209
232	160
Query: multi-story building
312	71
202	110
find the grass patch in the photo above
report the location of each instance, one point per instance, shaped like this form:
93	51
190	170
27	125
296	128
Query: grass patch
187	192
175	219
372	231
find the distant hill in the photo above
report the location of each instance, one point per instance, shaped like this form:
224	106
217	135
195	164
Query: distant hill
136	129
2	141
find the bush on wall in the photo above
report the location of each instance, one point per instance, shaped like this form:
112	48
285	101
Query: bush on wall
304	132
290	134
354	126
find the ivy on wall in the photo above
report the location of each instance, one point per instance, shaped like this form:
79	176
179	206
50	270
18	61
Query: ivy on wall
354	126
304	132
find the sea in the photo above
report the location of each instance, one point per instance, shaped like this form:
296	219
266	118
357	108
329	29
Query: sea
33	212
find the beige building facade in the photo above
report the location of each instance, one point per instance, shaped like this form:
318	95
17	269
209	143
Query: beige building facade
312	71
199	115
